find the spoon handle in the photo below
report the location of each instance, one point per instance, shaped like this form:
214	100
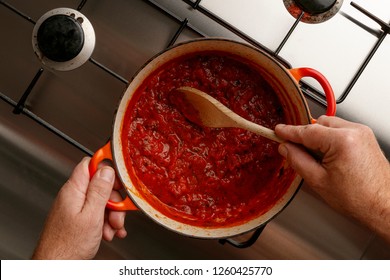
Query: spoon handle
258	129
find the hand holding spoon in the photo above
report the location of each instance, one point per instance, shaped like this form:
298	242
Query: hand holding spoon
202	109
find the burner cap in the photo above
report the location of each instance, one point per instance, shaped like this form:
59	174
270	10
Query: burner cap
315	7
314	11
63	39
60	38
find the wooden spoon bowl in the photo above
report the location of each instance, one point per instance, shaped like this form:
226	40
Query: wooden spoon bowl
202	109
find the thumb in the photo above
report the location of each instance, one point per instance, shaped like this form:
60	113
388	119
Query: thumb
302	162
100	188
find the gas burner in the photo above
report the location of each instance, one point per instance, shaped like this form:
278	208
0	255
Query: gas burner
314	11
63	39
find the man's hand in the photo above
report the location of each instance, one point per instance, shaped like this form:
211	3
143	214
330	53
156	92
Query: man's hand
78	219
353	176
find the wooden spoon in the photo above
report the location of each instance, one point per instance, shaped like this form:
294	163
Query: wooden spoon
205	110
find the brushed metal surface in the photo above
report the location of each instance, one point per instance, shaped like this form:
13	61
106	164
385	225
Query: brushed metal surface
34	163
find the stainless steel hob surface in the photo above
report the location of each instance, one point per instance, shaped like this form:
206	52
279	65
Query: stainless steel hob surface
69	115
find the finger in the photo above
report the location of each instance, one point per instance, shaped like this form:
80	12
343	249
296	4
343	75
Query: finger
109	232
99	189
116	219
335	122
117	185
302	162
122	233
312	136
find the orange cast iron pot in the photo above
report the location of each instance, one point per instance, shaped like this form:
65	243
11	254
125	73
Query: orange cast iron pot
285	83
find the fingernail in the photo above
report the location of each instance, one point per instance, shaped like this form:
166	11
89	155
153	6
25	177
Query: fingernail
107	174
283	150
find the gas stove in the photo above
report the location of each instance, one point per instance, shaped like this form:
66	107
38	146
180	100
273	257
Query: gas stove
54	113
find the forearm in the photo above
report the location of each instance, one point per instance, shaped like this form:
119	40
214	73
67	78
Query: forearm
378	216
367	199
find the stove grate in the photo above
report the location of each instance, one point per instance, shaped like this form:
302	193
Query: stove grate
310	92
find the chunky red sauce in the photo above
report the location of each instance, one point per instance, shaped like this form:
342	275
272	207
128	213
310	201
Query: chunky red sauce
197	175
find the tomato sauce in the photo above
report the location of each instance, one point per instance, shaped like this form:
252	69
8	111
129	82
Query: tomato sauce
208	177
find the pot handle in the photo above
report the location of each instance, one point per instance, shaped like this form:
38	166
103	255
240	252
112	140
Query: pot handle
244	244
299	73
100	155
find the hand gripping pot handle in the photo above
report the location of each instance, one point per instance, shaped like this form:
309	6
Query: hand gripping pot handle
299	73
100	155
